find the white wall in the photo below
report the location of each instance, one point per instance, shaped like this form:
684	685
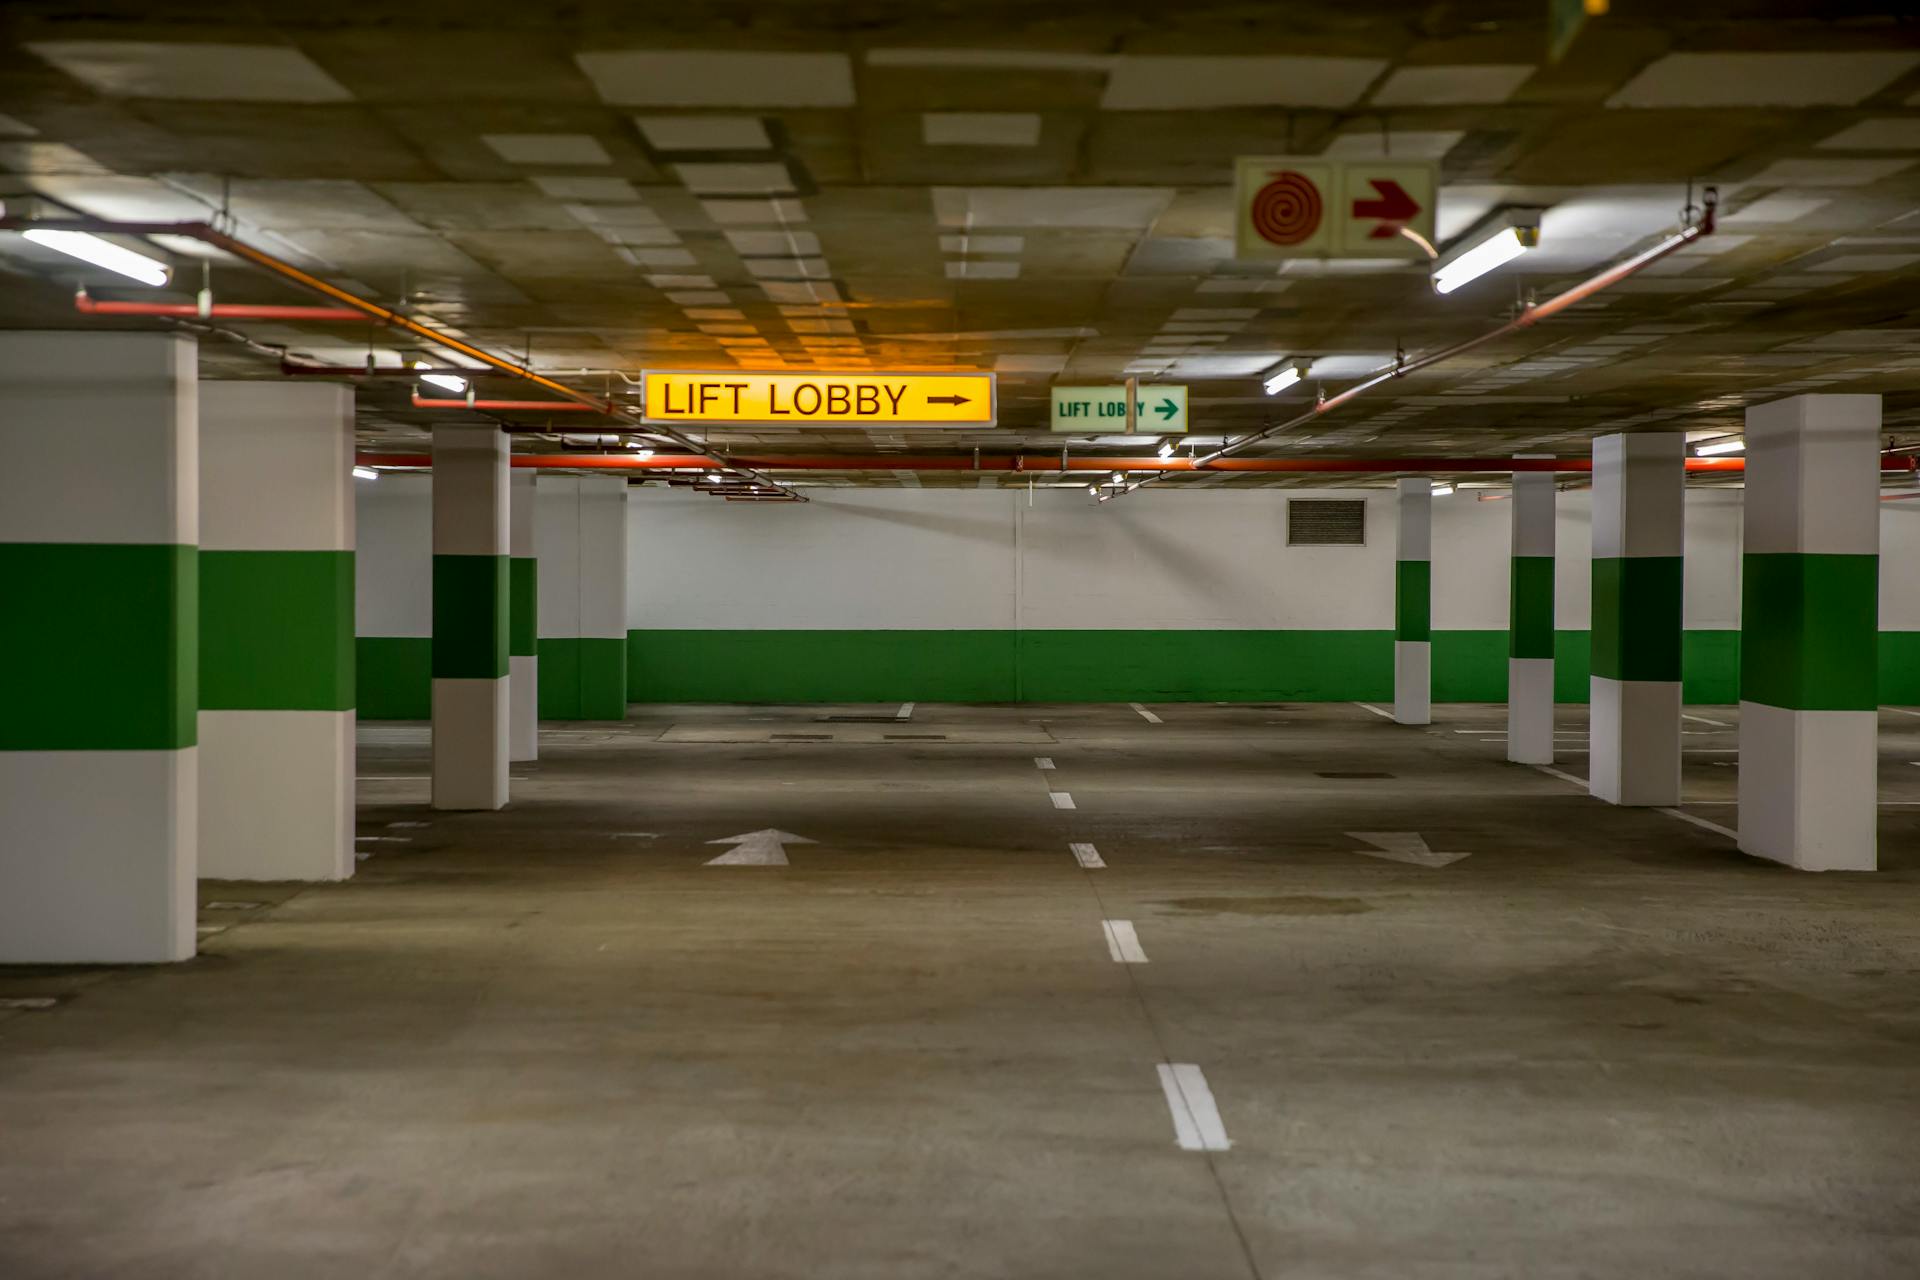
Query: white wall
393	568
1161	558
983	559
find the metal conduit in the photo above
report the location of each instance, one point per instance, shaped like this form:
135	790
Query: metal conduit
1527	318
387	316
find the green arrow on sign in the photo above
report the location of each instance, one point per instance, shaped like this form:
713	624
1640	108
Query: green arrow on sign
1166	409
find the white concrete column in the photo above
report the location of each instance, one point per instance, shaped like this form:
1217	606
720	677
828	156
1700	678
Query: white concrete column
470	574
1530	621
99	660
1413	604
1809	620
581	535
276	631
523	647
1639	486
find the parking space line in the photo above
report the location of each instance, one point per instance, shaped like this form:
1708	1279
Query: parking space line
1368	706
1714	827
1722	724
1145	714
1123	944
1043	762
1196	1120
905	712
1061	800
1086	855
1552	772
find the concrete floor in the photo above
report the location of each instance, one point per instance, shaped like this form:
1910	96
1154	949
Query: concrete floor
550	1041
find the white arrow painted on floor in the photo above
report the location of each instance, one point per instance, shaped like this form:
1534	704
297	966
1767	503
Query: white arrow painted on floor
1404	846
763	848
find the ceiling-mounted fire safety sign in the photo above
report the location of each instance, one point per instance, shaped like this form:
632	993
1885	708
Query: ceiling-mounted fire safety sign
1295	207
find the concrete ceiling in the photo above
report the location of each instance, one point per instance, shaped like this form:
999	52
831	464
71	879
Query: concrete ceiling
1043	190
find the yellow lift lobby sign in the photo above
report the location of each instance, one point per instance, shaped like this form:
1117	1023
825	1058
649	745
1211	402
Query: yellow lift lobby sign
819	399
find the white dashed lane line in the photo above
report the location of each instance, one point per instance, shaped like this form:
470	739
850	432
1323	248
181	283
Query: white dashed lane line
1145	714
1061	800
1196	1120
1086	855
1043	762
1123	944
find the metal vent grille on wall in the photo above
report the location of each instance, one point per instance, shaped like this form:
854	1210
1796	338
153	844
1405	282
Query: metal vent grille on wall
1326	522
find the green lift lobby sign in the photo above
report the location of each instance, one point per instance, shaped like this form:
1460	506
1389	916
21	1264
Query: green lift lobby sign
1159	410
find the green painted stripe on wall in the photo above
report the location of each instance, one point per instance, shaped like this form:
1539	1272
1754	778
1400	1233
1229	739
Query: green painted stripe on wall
1900	668
395	675
1471	666
1530	607
470	598
100	643
1413	599
1809	631
523	611
1636	617
583	678
1006	666
276	631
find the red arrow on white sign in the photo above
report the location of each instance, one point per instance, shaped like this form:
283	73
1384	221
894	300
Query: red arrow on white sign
1392	205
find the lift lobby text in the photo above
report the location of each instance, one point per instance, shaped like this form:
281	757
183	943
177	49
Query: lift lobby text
820	399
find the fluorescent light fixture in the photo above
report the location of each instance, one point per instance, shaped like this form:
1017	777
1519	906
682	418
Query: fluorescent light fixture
365	473
102	253
1093	490
1442	490
1282	378
1513	232
640	451
1725	444
711	478
1119	477
1166	448
445	381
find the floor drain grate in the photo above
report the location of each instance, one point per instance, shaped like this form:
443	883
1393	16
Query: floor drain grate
914	737
800	737
1351	774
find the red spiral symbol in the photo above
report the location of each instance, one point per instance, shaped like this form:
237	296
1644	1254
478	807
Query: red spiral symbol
1287	209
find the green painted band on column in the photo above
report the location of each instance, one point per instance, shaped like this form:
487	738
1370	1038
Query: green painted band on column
100	645
1636	617
1413	600
1809	633
1530	607
469	617
524	611
583	678
276	631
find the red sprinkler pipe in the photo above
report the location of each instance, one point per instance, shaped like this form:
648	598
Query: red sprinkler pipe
516	406
1048	462
218	310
